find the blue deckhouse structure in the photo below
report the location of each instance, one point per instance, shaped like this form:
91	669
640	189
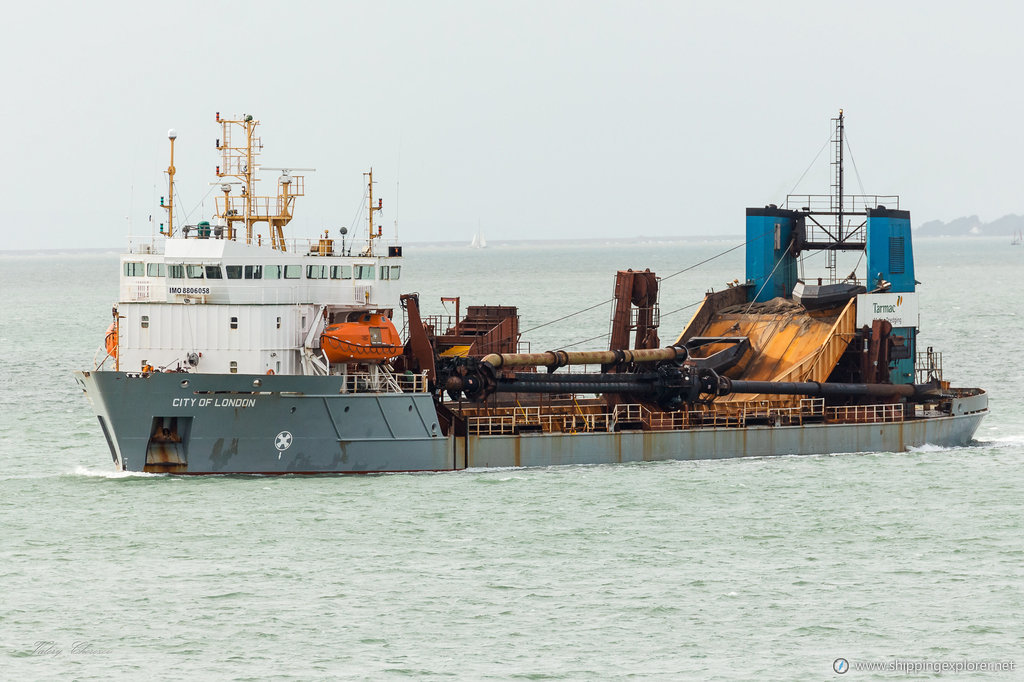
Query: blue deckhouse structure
777	236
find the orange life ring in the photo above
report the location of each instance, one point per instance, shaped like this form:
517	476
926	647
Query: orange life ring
270	371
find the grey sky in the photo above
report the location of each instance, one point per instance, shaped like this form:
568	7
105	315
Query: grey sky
537	119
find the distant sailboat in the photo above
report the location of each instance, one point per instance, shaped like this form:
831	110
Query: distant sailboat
478	241
1017	238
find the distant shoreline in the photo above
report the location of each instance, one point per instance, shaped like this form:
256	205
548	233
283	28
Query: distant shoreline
642	239
598	241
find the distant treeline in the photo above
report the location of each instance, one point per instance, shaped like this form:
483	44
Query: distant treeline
973	225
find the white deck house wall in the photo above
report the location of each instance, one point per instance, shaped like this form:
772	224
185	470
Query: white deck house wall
241	325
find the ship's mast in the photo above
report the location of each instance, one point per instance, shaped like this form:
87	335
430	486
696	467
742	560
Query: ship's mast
378	207
171	135
825	216
838	182
248	171
240	162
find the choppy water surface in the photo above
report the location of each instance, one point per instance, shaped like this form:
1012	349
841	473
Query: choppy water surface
761	568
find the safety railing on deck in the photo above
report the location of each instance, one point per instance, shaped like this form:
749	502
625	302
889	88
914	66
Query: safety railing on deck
829	203
631	416
865	414
508	421
383	382
928	366
412	383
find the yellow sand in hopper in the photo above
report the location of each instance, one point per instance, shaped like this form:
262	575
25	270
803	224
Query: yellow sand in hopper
788	343
456	352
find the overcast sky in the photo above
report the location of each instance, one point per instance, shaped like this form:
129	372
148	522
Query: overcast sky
533	119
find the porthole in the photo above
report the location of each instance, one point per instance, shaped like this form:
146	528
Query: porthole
184	383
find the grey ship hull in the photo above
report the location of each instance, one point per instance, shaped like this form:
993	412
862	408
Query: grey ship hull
226	424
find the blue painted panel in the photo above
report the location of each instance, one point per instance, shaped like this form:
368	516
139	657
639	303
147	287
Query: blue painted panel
902	371
890	256
890	252
771	266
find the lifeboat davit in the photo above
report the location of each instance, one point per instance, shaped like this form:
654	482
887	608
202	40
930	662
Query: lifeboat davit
110	341
371	338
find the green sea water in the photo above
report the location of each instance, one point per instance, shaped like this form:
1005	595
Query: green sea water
768	569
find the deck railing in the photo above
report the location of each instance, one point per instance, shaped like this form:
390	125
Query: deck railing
412	383
865	414
383	382
633	416
928	366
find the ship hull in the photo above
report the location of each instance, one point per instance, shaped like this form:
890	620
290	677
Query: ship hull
252	424
224	424
529	450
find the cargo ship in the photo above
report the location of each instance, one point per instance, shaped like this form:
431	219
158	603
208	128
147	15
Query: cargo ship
236	350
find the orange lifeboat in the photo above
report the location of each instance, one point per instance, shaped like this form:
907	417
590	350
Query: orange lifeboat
110	340
371	338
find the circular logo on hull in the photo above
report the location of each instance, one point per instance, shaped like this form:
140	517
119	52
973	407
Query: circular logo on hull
283	441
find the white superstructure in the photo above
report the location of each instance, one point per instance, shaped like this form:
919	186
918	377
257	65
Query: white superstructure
225	299
240	308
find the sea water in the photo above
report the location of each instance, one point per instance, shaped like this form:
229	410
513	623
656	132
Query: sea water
764	568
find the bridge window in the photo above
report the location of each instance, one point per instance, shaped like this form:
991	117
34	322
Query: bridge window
271	272
292	271
233	271
253	271
316	271
194	271
133	269
155	270
364	271
213	272
384	272
176	271
396	271
341	272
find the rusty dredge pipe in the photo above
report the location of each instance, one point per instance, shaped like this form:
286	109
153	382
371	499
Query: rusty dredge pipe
816	388
477	379
671	383
554	359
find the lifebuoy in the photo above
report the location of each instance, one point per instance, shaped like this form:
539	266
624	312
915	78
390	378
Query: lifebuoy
270	371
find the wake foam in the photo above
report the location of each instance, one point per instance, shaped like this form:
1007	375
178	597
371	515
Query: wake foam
93	473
